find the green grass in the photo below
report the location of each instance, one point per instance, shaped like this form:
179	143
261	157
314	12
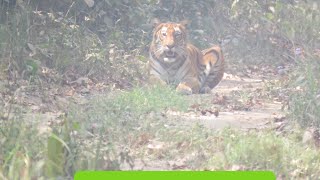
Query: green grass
111	131
226	149
150	99
94	136
128	107
304	100
285	155
19	158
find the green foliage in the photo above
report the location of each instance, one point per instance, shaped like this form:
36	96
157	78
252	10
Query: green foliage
82	38
94	137
299	22
126	109
19	158
113	120
304	101
110	41
293	28
285	156
142	100
105	134
56	158
266	150
31	40
276	28
13	37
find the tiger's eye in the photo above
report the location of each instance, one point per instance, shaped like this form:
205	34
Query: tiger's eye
164	34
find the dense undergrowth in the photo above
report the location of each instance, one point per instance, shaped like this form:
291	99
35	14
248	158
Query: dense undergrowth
44	43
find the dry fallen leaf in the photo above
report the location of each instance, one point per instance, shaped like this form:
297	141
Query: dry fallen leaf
156	145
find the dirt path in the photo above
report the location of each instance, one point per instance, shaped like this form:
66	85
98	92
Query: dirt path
236	100
251	113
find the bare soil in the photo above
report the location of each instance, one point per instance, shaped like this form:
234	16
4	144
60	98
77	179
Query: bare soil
222	113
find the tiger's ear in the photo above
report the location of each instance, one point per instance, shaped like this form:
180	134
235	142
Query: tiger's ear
155	22
185	23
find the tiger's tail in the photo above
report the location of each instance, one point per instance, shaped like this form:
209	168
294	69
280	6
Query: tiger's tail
213	67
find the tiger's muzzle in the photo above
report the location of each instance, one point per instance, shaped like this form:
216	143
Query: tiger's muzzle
169	54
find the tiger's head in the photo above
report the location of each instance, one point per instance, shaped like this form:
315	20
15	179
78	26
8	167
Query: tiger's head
169	42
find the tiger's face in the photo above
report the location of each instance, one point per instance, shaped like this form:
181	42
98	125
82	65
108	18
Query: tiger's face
169	42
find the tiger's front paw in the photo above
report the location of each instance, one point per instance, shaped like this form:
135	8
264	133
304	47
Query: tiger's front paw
184	89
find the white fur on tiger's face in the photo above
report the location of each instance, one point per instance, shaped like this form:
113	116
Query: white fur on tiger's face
174	61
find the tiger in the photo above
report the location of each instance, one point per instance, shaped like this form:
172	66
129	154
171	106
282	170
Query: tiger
172	60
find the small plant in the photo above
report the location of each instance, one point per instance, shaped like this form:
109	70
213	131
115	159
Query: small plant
18	157
304	100
14	36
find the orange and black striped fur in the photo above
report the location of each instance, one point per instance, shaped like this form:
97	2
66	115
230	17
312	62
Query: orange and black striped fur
174	61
